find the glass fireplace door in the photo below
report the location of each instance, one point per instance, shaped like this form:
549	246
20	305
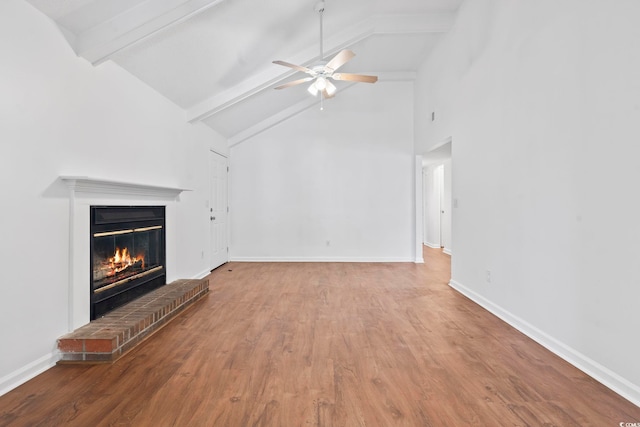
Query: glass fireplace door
127	254
122	255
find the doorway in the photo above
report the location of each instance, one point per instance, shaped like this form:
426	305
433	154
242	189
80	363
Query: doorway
437	198
433	205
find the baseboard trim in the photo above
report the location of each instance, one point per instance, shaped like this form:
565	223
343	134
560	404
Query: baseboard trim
201	275
27	372
610	379
319	259
432	245
446	251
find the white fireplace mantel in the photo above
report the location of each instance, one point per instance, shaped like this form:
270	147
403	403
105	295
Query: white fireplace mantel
83	185
86	191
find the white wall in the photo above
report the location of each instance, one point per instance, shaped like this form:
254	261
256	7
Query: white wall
542	101
325	185
61	116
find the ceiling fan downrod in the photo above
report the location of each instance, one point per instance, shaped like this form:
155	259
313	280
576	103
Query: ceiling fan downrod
320	9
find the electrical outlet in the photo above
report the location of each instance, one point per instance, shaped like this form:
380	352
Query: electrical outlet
328	242
488	276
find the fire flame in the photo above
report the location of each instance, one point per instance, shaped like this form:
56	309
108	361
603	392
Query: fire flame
122	259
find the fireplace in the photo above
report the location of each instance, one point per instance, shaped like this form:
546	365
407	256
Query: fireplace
127	254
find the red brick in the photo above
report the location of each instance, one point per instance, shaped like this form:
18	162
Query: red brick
100	346
70	345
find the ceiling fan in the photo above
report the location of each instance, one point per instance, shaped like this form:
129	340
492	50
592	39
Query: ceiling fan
321	72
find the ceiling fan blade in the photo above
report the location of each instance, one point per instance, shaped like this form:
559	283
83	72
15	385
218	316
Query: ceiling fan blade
295	82
295	67
339	60
354	77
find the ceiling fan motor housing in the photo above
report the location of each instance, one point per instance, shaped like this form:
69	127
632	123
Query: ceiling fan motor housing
319	68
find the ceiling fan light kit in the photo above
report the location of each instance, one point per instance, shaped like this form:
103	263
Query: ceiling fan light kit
321	72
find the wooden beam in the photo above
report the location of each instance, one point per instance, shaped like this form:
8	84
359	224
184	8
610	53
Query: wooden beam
138	23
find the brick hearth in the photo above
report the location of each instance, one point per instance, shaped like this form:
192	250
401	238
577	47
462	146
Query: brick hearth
111	336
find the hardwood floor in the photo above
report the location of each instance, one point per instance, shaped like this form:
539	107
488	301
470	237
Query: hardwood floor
336	344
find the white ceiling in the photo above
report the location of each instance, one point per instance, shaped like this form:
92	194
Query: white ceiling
214	58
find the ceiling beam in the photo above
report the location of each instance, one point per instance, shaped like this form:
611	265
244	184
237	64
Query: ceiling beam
101	42
301	106
397	24
275	119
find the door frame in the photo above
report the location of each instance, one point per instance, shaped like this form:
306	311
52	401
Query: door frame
226	211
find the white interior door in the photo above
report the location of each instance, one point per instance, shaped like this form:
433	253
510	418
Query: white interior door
218	209
438	179
441	204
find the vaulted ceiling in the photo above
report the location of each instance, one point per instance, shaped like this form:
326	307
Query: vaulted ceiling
213	58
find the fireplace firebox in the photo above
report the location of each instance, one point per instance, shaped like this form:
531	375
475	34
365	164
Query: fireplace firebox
127	254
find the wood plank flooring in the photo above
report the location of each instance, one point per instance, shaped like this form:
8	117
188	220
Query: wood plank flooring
325	344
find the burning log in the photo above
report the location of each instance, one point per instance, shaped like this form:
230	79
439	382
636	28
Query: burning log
121	264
